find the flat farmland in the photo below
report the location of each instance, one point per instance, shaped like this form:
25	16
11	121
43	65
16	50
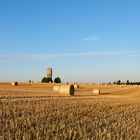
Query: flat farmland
33	111
46	89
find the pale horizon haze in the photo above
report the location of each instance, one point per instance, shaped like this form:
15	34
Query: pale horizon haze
82	40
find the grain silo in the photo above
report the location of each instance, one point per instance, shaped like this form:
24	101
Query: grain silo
49	72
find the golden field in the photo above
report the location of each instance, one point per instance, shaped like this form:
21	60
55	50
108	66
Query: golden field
33	111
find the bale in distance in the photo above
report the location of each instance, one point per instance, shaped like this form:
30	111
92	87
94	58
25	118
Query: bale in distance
96	91
66	90
14	83
76	86
56	88
67	83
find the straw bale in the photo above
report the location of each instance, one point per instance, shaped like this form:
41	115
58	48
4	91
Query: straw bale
67	90
56	88
76	86
96	91
14	83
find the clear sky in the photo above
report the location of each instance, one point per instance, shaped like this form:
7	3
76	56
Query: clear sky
82	40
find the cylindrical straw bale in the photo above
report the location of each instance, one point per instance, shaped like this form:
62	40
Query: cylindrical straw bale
76	86
67	89
56	88
67	83
96	91
14	83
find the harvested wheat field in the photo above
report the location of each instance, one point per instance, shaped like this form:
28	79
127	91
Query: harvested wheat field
33	111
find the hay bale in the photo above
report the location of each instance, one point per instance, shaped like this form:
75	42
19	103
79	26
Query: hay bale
66	90
14	83
76	86
67	83
96	91
56	88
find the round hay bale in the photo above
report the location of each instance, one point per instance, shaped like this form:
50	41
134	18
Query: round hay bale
66	89
14	83
96	91
76	86
67	83
56	88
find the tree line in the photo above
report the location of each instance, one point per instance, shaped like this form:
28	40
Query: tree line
126	83
50	80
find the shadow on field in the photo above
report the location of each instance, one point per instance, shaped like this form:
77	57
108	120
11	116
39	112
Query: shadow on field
91	94
105	93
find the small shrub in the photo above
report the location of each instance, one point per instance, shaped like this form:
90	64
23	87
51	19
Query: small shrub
46	80
57	80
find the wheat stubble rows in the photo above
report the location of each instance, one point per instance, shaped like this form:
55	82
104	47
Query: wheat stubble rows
114	115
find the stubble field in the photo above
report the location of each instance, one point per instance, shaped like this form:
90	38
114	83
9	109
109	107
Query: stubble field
35	112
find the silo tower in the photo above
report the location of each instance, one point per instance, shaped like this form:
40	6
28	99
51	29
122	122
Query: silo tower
49	72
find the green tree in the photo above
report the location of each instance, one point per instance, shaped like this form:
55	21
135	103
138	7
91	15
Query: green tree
114	83
119	82
127	82
46	80
57	80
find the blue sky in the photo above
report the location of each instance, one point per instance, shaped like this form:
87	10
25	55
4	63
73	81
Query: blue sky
82	40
